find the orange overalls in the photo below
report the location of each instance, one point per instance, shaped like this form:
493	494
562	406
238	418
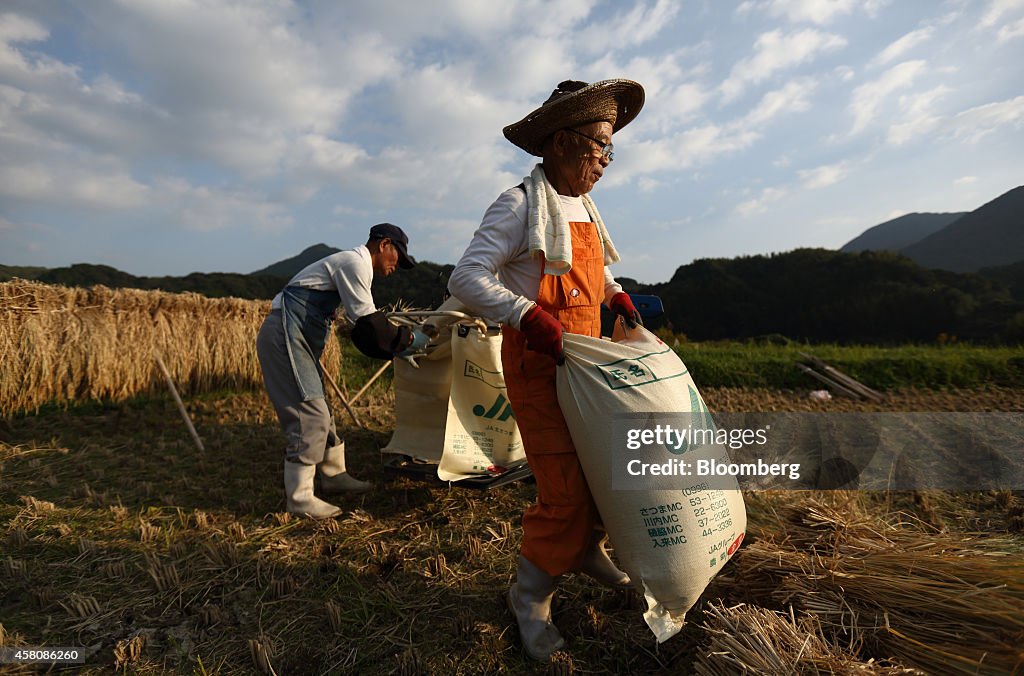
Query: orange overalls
558	528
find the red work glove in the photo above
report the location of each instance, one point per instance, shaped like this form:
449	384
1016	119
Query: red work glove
543	333
622	305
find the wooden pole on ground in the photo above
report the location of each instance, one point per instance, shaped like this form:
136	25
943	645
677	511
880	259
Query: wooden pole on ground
846	381
371	381
838	387
344	402
177	400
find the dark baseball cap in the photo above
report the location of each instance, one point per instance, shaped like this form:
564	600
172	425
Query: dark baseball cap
398	238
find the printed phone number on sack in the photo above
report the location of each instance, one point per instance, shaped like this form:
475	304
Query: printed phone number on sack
665	530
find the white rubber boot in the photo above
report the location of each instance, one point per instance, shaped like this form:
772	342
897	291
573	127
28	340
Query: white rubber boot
298	491
529	599
599	566
334	478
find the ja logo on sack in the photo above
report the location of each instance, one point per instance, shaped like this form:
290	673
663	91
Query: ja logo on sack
701	422
500	410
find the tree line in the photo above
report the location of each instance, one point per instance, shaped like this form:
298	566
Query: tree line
820	295
815	295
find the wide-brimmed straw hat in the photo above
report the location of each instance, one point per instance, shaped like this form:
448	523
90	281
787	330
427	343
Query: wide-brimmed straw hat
574	103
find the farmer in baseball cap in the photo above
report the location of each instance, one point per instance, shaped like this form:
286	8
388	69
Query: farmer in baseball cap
289	346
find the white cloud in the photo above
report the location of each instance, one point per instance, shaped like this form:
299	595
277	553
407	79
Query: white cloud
867	98
630	28
72	186
249	91
674	94
997	9
253	60
811	11
760	203
406	23
705	143
29	79
791	98
198	207
918	113
644	22
443	239
900	47
238	86
22	238
976	123
349	211
775	51
965	180
844	73
683	150
439	107
16	28
324	154
680	103
402	177
823	176
1011	31
647	185
746	7
833	221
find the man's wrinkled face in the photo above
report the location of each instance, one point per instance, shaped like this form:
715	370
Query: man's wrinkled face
386	260
584	164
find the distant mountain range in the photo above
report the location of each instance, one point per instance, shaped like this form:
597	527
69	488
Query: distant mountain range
900	233
212	284
289	266
423	286
990	236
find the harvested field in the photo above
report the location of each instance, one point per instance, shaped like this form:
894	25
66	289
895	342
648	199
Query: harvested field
119	536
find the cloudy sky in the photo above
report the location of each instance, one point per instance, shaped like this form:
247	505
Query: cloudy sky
171	136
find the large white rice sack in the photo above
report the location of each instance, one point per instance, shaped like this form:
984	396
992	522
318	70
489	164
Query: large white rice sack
480	435
453	410
421	404
671	541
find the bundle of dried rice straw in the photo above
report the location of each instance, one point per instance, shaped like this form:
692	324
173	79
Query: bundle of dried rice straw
62	344
761	641
886	591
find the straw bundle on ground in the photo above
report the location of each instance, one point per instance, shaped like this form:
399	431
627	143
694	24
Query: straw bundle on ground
761	641
62	344
880	590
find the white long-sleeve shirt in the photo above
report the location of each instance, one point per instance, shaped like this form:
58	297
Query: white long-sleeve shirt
496	276
350	273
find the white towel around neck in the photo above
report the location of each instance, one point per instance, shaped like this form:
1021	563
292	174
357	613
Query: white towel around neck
548	227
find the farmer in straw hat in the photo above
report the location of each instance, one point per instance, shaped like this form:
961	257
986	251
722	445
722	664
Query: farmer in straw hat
289	346
537	263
